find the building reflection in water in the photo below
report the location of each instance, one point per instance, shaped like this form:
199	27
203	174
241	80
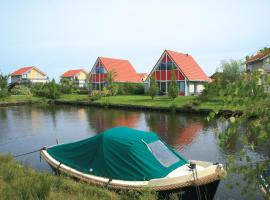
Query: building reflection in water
102	119
175	129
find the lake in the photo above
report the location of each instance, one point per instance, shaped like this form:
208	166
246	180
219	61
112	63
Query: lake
28	128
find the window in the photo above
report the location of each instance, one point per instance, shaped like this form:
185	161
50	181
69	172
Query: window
100	70
164	155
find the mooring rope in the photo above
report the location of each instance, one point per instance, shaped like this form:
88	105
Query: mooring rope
192	166
24	154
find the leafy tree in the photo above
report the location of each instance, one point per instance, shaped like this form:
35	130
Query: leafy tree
153	87
231	70
66	86
173	88
251	130
53	90
3	86
232	73
111	86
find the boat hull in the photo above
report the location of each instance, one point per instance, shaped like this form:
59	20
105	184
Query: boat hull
182	186
206	192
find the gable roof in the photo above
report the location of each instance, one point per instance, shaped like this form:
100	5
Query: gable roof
258	56
125	72
191	70
73	72
24	70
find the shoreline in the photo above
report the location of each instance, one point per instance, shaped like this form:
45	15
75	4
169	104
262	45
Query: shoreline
184	109
187	109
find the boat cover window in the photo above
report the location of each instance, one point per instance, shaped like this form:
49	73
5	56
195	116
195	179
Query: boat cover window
164	155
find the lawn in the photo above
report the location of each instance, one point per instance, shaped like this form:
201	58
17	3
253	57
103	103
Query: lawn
159	101
136	100
21	98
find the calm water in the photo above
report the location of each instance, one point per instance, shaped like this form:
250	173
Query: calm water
27	128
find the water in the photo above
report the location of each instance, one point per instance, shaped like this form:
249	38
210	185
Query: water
27	128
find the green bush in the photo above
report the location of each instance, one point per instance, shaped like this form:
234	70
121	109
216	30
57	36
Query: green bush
20	90
95	95
49	90
4	93
81	91
3	86
153	90
130	88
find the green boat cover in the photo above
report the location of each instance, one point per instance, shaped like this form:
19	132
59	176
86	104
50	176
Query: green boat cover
120	153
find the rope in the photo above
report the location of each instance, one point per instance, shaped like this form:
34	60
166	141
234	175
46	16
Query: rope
24	154
192	166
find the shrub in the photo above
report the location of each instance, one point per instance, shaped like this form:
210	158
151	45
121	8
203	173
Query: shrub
3	86
95	95
20	90
81	91
130	88
49	90
173	88
4	93
153	88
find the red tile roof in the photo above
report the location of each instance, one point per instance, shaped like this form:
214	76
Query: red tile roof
26	69
188	66
21	71
142	75
258	56
70	73
123	69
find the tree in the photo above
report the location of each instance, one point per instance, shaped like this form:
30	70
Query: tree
110	82
153	87
53	91
3	86
231	70
173	88
66	85
251	129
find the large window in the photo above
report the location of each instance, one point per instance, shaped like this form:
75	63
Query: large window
100	70
170	65
164	155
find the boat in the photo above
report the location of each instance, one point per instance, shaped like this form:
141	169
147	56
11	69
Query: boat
123	158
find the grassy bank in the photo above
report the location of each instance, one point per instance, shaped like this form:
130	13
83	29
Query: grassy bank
159	101
134	100
21	98
22	182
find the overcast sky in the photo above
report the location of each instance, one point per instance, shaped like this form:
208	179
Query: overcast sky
57	35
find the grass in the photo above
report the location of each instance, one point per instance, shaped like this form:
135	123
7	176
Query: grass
159	101
137	100
21	98
22	182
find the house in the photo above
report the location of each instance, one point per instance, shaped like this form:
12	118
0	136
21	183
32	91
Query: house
189	75
28	74
143	76
261	60
123	72
77	76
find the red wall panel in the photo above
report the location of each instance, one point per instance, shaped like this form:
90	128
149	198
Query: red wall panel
161	75
98	78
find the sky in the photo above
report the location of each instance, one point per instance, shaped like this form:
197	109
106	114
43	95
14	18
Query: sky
58	35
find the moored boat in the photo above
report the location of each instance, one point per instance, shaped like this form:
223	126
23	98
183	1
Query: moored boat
125	158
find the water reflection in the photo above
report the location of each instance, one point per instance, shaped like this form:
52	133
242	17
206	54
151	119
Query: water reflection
177	130
103	119
27	128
